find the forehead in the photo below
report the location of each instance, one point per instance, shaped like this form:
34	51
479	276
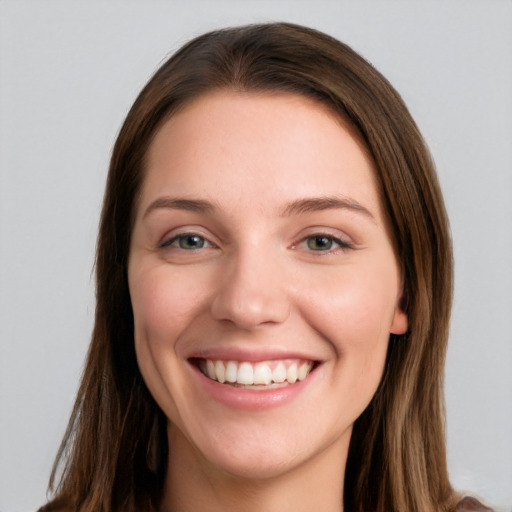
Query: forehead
275	145
229	106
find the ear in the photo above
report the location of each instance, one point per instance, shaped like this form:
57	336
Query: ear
400	322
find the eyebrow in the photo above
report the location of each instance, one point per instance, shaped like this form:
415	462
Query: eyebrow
313	204
178	203
297	207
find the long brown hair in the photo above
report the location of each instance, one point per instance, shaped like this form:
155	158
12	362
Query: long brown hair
114	453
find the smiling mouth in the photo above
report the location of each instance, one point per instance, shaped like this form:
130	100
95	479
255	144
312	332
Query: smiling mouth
255	375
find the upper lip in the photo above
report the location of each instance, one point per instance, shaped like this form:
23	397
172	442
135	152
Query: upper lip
250	354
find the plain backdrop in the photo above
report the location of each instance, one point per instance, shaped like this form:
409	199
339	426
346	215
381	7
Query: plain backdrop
69	71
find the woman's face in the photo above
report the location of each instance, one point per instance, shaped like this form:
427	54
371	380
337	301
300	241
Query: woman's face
263	282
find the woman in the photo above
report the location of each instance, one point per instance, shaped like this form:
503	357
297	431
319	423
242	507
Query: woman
274	281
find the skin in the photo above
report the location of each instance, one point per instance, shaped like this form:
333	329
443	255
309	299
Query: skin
265	277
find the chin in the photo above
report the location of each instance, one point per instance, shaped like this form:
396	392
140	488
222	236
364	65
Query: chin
260	451
265	464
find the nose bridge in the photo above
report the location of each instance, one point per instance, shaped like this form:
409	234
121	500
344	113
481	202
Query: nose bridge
252	290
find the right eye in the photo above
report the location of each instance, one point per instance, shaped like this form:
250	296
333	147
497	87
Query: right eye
187	242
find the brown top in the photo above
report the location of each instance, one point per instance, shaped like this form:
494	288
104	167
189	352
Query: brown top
470	504
466	504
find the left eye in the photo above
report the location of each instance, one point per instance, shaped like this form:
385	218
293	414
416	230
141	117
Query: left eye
325	243
188	242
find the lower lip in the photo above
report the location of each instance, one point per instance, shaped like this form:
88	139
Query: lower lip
252	399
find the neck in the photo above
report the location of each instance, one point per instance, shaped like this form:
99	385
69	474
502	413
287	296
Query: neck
193	484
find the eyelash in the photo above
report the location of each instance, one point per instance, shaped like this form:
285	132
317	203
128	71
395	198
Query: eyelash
329	240
342	245
182	237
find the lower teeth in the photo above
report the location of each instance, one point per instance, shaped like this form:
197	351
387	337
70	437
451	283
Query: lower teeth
273	385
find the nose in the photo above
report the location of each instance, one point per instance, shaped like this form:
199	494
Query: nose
251	293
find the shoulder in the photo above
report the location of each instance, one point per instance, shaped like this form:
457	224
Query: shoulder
470	504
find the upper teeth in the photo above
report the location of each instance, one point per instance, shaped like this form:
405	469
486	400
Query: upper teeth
263	372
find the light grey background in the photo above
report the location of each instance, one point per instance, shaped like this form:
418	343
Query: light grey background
68	73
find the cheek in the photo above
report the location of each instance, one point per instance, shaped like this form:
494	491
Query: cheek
352	309
356	310
163	302
163	309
